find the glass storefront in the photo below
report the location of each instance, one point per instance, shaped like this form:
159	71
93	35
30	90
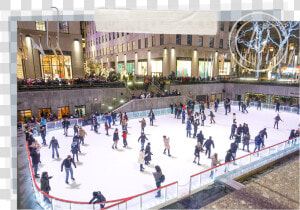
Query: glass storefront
24	115
255	96
284	100
62	112
290	71
80	110
44	112
205	69
156	67
142	67
121	67
20	74
130	67
184	68
224	69
55	67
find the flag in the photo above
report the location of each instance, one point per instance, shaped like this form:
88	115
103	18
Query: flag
24	50
38	47
52	48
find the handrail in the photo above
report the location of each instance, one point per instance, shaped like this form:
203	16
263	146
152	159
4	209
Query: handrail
209	169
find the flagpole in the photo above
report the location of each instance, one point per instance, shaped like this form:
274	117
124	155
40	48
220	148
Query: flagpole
32	57
42	71
23	60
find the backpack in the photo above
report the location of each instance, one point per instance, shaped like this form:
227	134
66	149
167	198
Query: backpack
162	178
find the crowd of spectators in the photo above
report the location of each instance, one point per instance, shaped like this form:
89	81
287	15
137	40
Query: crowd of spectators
151	94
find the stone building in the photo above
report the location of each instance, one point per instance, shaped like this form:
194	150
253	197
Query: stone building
161	54
32	63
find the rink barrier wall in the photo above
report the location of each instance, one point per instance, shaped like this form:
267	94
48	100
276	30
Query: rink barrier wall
245	164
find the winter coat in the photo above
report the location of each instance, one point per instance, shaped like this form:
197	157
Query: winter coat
76	138
116	136
277	118
151	115
246	139
82	133
233	147
143	139
98	197
197	151
67	163
167	143
240	130
124	135
238	138
106	127
108	118
157	176
208	143
258	140
54	143
45	184
264	133
188	126
74	147
214	161
141	157
228	157
200	138
183	113
35	157
65	124
43	122
203	117
245	129
148	153
233	127
75	128
143	123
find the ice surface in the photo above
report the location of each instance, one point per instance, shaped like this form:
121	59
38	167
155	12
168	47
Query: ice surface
116	172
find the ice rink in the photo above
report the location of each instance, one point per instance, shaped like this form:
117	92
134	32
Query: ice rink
116	172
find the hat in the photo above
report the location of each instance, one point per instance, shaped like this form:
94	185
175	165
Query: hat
53	137
164	136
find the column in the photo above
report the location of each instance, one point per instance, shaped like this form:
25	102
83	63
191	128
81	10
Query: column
216	65
149	67
173	60
135	63
195	65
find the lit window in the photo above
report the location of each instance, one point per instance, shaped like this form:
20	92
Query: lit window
133	45
128	44
63	27
40	25
123	48
153	41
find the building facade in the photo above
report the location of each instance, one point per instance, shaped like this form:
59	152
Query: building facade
161	54
65	62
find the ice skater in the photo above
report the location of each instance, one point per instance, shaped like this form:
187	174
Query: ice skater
203	118
233	148
263	134
143	125
45	185
75	129
277	119
167	145
151	117
228	158
233	117
55	145
216	106
277	106
141	159
77	139
95	125
257	142
197	153
65	125
188	129
200	138
207	145
124	135
246	140
120	117
212	116
237	139
233	128
183	116
143	138
68	168
43	135
98	198
214	163
82	135
106	128
35	158
115	139
259	104
159	178
74	149
148	154
195	129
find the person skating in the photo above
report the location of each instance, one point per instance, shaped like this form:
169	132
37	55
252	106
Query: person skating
233	148
143	125
237	139
108	119
246	140
124	124
257	142
240	129
106	128
233	128
55	145
212	116
195	129
228	158
175	111
76	129
43	134
77	139
292	134
277	119
200	138
197	118
45	185
159	178
188	129
167	145
74	149
143	138
233	118
216	106
120	117
141	159
229	105
95	125
259	104
197	153
172	108
66	124
263	134
207	145
225	106
35	158
82	135
214	163
244	108
240	104
68	168
183	116
245	129
124	135
203	118
148	154
151	117
98	197
277	106
115	139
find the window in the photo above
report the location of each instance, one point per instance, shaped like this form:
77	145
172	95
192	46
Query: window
161	39
20	74
102	39
96	41
230	26
127	33
119	48
115	51
189	40
40	25
211	42
62	112
64	27
222	26
178	39
56	66
99	39
113	35
117	34
221	44
106	37
228	44
111	50
122	33
109	37
123	48
146	42
133	45
139	44
200	41
153	41
128	44
24	115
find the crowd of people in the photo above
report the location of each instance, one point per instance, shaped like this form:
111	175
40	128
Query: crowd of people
184	113
145	94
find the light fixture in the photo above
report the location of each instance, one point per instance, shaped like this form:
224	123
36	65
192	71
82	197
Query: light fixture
173	48
76	39
165	48
27	35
